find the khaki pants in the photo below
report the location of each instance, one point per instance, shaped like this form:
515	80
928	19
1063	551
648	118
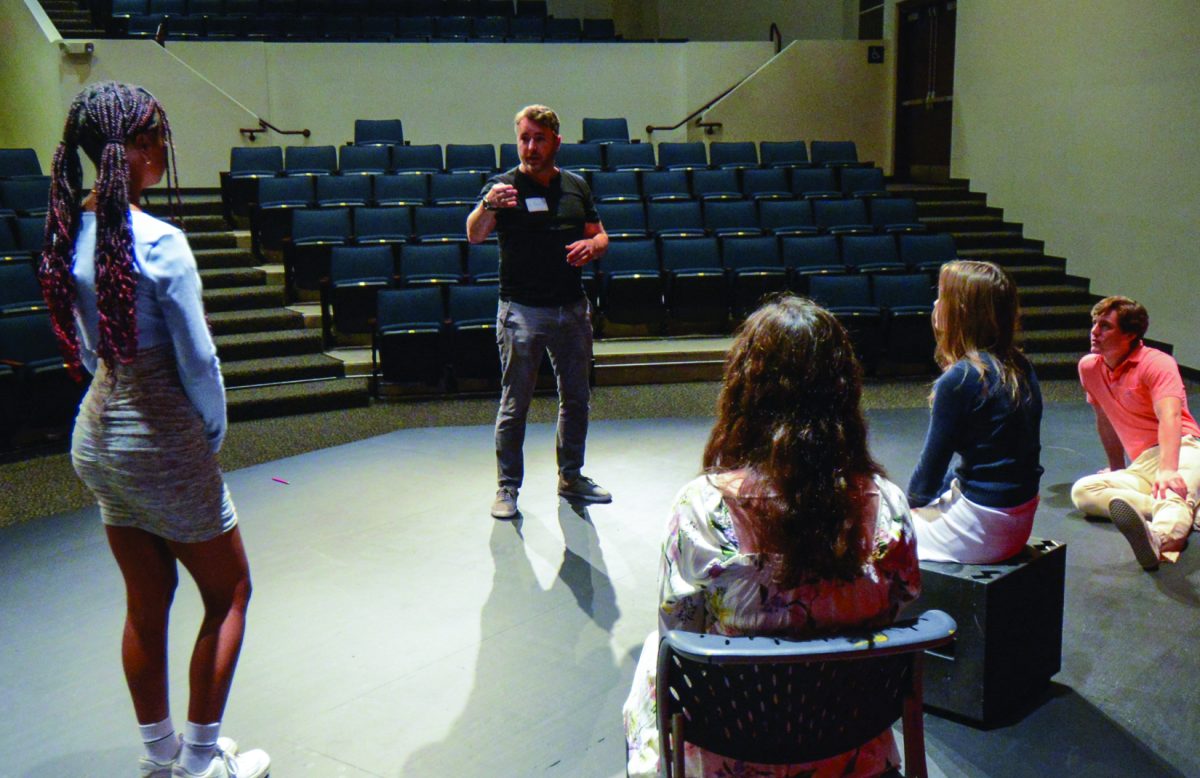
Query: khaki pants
1171	518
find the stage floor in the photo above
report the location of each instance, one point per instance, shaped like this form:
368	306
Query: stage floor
398	630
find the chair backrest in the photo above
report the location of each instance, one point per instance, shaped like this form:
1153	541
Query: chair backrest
306	160
779	701
690	254
780	214
441	222
807	181
321	225
382	225
623	219
470	158
344	191
757	252
483	263
767	181
438	262
810	253
838	213
361	263
731	215
19	287
26	196
862	179
599	29
841	291
28	338
19	162
404	308
665	185
716	184
825	152
580	156
562	29
725	154
455	188
629	156
859	250
675	218
247	161
927	250
471	305
638	255
417	159
783	153
893	210
453	27
682	156
373	160
389	132
491	27
293	192
605	130
405	189
615	186
509	158
907	291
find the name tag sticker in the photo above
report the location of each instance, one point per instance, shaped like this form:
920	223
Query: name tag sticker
536	204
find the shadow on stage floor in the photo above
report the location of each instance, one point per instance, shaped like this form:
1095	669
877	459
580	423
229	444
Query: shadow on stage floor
397	630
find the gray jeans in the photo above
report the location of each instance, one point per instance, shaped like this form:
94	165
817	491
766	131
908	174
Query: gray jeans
523	334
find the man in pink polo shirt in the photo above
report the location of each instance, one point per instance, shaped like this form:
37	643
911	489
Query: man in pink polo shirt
1141	413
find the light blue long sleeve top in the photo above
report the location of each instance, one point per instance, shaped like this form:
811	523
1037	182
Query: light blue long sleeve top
169	311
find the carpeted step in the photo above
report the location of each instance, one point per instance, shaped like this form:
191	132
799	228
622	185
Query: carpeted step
1056	365
1043	317
217	259
1055	294
1049	341
1013	256
983	239
1036	275
261	320
972	223
275	370
957	208
205	223
200	241
224	278
243	298
923	192
261	402
265	345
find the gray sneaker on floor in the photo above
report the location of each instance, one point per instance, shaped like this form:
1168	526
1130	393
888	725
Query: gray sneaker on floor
1137	531
583	489
505	506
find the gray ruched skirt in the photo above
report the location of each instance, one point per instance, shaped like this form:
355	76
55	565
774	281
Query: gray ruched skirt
139	446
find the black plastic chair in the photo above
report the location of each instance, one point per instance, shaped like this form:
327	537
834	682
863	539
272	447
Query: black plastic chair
356	275
363	160
271	213
675	219
471	311
417	159
20	291
863	182
783	154
315	232
389	226
848	297
580	157
841	217
388	132
441	223
927	252
26	196
907	303
483	263
605	130
810	256
629	156
814	183
732	155
623	220
755	271
19	163
10	249
431	264
407	189
895	215
665	185
786	217
343	191
615	186
682	156
631	285
731	218
871	254
45	391
766	184
309	160
470	158
781	701
696	289
716	185
407	342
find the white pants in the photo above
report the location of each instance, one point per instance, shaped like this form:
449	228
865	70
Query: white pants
954	529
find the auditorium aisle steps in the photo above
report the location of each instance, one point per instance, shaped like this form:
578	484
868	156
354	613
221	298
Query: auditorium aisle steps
272	361
1055	305
71	18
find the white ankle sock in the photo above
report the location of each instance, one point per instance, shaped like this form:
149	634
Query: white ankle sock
160	740
199	746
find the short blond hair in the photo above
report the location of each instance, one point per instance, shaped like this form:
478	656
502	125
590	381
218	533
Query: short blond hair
538	114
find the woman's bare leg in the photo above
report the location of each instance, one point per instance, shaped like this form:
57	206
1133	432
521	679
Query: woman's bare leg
148	568
222	574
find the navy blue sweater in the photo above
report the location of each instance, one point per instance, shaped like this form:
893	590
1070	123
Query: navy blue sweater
998	441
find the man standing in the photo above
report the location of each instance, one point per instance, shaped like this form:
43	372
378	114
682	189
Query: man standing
1141	412
548	229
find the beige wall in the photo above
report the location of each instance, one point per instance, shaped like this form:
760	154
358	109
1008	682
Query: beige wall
29	77
716	20
814	90
1079	119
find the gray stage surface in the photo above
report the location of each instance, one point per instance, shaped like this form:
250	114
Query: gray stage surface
397	630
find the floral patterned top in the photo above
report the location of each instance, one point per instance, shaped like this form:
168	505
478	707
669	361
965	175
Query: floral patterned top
708	584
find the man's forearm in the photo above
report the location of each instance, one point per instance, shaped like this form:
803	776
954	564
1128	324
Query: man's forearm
480	223
1170	429
1111	442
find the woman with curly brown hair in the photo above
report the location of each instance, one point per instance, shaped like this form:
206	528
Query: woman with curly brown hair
124	296
986	409
791	530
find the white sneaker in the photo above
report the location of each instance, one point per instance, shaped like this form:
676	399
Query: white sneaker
152	768
252	764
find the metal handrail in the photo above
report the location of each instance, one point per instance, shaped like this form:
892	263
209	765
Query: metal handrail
264	125
776	35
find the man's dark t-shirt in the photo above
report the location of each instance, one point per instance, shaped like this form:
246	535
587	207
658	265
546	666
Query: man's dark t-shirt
533	256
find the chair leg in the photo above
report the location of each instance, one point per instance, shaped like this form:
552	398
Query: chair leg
914	723
676	769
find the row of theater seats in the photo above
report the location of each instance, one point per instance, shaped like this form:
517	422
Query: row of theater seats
436	334
35	389
306	235
505	8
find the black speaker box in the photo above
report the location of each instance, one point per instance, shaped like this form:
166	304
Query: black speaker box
1009	640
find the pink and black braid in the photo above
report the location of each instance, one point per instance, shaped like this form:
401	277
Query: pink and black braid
103	117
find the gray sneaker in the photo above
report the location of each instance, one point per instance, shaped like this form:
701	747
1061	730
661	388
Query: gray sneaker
1141	538
583	489
505	506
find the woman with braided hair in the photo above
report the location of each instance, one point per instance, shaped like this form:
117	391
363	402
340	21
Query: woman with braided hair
124	295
